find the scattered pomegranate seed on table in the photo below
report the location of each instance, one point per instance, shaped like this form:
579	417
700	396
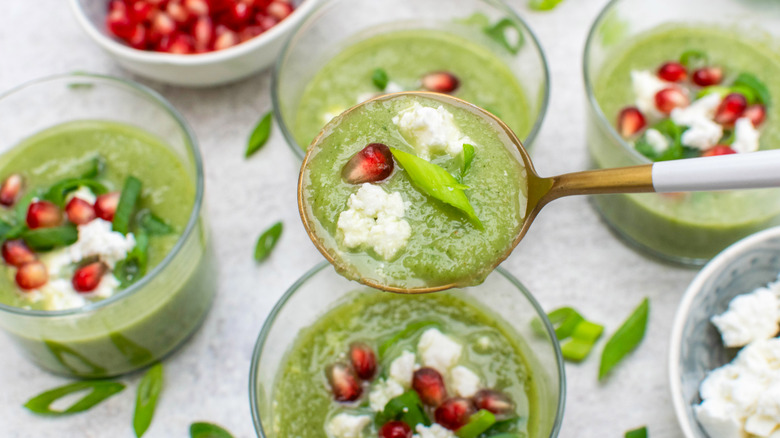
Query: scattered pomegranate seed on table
43	214
673	72
343	382
730	109
670	98
16	252
454	413
429	385
9	191
440	82
373	163
87	278
395	429
363	360
105	206
630	121
32	275
707	76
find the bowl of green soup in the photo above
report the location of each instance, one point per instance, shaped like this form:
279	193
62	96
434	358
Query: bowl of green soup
338	359
672	80
348	51
106	264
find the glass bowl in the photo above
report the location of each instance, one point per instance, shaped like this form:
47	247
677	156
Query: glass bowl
337	24
321	289
140	324
683	228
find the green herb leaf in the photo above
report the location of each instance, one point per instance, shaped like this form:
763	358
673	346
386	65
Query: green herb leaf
407	407
44	239
380	79
146	399
543	5
637	433
267	241
403	334
133	267
436	183
759	88
498	32
478	423
23	204
260	135
625	339
694	59
673	134
468	157
100	390
59	191
208	430
583	339
126	205
151	224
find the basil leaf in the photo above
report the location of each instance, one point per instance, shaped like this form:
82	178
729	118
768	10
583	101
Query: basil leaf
100	390
208	430
146	399
694	59
380	79
59	191
436	183
478	423
151	224
759	88
44	239
267	241
468	157
637	433
407	407
126	205
133	267
498	33
543	5
259	135
405	333
625	339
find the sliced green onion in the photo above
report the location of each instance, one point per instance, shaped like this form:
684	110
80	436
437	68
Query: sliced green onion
260	135
267	241
543	5
380	79
498	32
637	433
44	239
478	423
625	339
126	205
146	399
100	390
151	224
582	341
208	430
565	320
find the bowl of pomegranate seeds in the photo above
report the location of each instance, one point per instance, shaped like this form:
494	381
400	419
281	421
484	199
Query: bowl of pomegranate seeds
190	42
345	360
672	80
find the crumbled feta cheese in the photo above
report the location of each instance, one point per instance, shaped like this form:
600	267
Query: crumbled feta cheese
465	382
750	317
434	431
658	141
83	193
438	351
97	239
703	108
719	420
767	416
374	218
393	87
745	136
382	392
646	85
702	132
60	295
347	426
402	368
56	261
431	130
108	285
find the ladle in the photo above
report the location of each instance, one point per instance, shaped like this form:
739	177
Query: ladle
726	172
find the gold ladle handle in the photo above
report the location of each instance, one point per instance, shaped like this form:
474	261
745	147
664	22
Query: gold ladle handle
634	179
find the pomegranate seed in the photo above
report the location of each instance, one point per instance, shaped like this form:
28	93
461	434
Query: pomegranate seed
440	82
114	5
250	32
395	429
31	275
454	413
181	44
363	360
79	211
105	206
756	113
493	401
16	252
119	23
43	214
720	149
630	121
343	383
162	25
279	10
266	22
707	76
225	40
673	72
261	4
87	278
429	385
216	6
9	191
178	13
730	109
238	16
138	39
141	11
371	164
197	7
670	98
203	31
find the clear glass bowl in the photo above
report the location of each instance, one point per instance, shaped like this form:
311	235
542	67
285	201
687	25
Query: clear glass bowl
321	288
149	319
684	228
337	24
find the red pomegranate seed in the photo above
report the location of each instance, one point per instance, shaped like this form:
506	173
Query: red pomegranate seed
79	211
162	25
493	401
238	15
429	385
670	98
87	278
119	23
261	4
43	214
138	39
141	11
203	32
395	429
363	360
440	82
178	13
630	121
720	149
279	10
343	383
227	39
9	191
730	109
250	32
199	8
105	206
454	413
756	113
17	253
706	76
31	275
373	163
181	44
266	21
673	72
216	6
114	5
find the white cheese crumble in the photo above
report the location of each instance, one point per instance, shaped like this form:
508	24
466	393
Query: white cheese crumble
434	431
702	132
374	218
464	381
746	136
382	392
646	85
97	239
83	193
431	130
438	351
402	368
347	426
750	317
658	141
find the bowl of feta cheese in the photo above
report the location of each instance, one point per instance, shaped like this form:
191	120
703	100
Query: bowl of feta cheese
724	363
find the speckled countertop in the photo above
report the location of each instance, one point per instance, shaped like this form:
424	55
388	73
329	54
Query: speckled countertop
568	258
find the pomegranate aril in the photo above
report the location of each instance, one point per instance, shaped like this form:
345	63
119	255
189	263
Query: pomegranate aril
250	32
720	149
756	113
630	121
138	39
672	72
261	4
730	109
216	6
343	383
141	11
227	39
178	13
162	25
181	44
373	163
266	21
31	275
203	32
238	15
105	206
670	98
454	413
279	10
79	211
197	7
363	360
119	23
87	278
43	214
10	190
429	385
17	253
440	82
493	401
707	76
395	429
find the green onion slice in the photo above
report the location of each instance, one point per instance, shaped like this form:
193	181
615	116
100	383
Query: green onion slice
208	430
126	205
146	399
478	423
99	391
625	339
267	241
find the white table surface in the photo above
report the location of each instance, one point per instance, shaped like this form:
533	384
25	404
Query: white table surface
569	257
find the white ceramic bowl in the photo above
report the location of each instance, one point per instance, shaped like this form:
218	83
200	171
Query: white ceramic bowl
198	70
696	346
